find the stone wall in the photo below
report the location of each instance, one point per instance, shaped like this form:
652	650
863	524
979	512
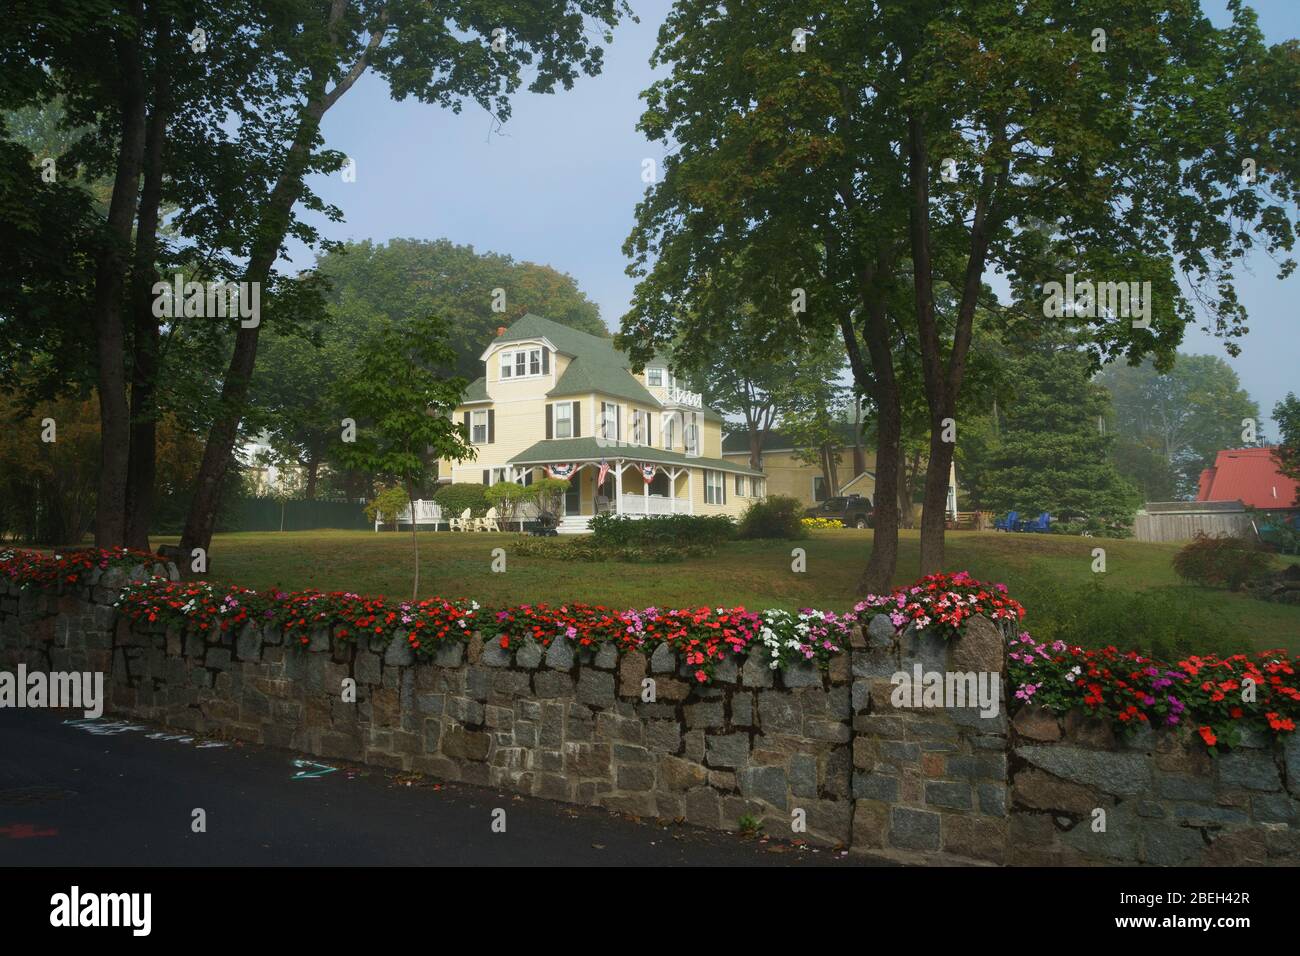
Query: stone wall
829	748
928	781
1166	799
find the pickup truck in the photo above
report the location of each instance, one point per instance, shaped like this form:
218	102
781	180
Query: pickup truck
853	510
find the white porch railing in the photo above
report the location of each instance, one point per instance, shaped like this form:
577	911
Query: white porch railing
638	505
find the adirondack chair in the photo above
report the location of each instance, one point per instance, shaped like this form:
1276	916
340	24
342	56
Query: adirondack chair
488	522
1008	523
463	523
1040	525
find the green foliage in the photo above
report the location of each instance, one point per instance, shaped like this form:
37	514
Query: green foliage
453	499
1221	562
1287	453
675	530
406	277
1164	622
402	407
1170	425
387	505
586	548
1046	451
550	494
777	516
509	498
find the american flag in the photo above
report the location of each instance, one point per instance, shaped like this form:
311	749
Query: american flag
604	470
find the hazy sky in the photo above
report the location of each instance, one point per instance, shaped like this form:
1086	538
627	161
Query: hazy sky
557	185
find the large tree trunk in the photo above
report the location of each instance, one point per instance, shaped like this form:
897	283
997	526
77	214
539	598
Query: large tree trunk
106	311
219	451
141	465
313	475
905	517
935	507
943	382
274	224
878	575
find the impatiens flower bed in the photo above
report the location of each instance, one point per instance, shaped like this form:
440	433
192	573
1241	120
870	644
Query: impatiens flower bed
34	568
1218	697
943	602
703	636
808	635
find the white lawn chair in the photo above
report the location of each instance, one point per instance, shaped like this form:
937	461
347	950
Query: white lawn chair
463	523
489	521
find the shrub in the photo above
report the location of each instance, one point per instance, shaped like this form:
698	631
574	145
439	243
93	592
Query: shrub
588	549
777	516
387	505
623	530
454	499
1224	562
508	498
1160	622
550	494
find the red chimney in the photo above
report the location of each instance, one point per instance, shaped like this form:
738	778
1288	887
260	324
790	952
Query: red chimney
501	330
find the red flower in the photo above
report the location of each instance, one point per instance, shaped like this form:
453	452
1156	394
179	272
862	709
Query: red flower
1207	734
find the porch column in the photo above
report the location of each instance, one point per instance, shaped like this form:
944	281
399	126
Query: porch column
618	486
690	489
672	490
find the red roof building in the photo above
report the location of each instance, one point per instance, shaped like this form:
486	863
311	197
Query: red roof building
1248	475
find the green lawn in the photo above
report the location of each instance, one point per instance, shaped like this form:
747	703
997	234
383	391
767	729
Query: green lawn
1138	602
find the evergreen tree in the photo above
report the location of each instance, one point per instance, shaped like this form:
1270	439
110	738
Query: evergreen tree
1048	450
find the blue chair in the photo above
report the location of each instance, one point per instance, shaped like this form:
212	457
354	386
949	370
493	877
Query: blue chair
1008	523
1040	526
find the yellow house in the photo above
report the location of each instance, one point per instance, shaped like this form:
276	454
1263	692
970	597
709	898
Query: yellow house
557	402
788	475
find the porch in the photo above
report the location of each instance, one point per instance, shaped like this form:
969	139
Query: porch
621	486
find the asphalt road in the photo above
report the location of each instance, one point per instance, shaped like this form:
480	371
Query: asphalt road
73	797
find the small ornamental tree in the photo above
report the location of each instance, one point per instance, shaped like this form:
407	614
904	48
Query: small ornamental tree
388	505
550	495
402	406
509	498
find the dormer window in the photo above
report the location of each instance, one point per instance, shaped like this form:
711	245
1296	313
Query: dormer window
654	377
525	363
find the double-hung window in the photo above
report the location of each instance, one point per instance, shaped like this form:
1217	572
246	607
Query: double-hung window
714	488
609	421
654	377
640	427
740	486
479	428
563	412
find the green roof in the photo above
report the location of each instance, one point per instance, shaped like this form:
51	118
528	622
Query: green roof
736	442
475	391
553	450
595	366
